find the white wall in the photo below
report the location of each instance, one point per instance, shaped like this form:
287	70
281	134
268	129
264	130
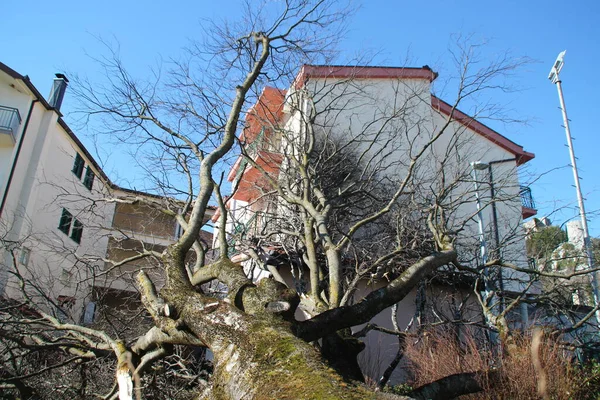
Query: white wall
392	121
42	185
63	266
12	94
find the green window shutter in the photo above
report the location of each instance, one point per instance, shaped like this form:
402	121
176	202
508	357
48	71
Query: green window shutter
88	181
77	231
78	166
65	221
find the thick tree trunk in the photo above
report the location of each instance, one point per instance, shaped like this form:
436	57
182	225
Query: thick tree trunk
258	357
273	364
256	352
341	351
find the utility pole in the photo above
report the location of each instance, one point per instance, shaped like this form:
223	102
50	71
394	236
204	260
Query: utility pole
555	78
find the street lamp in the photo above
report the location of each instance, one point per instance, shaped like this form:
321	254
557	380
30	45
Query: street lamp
480	166
555	78
487	292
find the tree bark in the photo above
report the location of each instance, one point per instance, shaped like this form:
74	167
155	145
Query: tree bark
452	386
257	356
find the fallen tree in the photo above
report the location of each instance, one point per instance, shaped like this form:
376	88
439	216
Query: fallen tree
260	350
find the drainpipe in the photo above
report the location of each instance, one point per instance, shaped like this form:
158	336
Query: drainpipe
495	225
14	165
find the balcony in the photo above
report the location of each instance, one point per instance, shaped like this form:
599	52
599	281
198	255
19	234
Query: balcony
10	119
251	181
246	231
527	203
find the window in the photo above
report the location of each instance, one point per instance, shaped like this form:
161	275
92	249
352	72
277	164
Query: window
64	305
65	222
77	231
24	257
78	166
88	181
65	226
88	314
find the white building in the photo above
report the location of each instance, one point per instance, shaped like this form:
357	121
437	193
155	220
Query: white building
391	111
358	96
53	217
48	185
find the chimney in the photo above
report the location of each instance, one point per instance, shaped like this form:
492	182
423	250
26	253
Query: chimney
58	91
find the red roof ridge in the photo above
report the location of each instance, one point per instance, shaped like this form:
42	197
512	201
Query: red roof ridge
363	72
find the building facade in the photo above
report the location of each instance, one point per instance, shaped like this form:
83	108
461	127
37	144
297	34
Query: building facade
66	229
389	117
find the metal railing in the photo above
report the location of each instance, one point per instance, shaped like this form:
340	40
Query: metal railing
10	119
247	231
252	150
239	232
526	198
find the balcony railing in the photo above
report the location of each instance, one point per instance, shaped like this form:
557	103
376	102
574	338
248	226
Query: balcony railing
245	232
239	232
528	205
10	119
252	150
526	198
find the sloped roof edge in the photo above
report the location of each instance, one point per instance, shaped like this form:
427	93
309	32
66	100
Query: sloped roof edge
521	155
362	72
25	79
9	71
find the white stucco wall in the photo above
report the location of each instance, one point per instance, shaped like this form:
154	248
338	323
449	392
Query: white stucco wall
44	191
42	185
12	94
391	122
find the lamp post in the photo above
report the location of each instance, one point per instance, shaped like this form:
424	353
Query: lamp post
480	166
555	78
495	221
487	292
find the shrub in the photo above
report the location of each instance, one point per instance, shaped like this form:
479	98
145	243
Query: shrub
441	353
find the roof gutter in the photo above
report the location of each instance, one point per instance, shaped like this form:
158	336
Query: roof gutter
14	164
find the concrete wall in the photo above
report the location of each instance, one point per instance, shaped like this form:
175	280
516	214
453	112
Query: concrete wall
64	266
440	304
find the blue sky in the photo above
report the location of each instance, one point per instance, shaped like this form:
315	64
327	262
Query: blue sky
42	38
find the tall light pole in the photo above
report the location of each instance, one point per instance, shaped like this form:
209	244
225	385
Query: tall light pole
555	78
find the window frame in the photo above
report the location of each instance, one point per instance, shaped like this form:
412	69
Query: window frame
66	219
76	231
78	166
70	226
88	179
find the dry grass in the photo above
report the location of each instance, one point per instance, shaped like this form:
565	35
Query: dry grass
440	354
